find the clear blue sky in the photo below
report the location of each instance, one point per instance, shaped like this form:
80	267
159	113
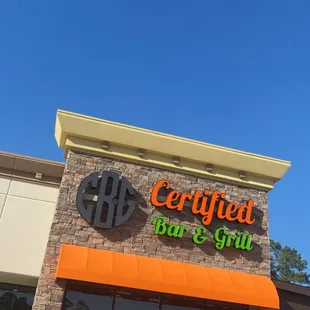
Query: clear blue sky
233	73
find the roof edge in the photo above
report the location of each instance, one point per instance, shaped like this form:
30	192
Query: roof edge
73	125
38	169
292	287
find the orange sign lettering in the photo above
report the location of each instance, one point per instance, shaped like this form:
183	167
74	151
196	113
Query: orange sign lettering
206	204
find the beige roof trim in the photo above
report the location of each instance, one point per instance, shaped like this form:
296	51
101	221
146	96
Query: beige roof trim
30	168
84	133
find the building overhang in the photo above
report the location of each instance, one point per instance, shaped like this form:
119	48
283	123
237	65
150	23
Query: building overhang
109	139
30	168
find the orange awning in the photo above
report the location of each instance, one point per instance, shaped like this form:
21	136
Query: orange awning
165	276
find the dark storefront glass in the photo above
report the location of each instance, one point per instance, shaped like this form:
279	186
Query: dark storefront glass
13	297
172	307
97	297
127	304
84	301
181	303
134	300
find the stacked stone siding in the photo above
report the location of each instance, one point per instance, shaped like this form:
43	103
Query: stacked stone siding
137	234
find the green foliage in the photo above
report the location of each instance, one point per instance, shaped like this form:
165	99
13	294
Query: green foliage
288	265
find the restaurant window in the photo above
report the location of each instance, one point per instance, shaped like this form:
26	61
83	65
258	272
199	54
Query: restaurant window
181	303
16	297
82	296
173	307
88	298
133	300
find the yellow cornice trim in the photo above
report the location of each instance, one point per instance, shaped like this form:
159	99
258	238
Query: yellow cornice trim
84	133
160	161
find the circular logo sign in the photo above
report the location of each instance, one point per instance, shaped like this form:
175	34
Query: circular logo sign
103	199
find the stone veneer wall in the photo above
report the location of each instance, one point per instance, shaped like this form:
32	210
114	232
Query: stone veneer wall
137	235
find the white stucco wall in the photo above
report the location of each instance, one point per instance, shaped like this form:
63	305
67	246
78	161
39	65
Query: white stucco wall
26	214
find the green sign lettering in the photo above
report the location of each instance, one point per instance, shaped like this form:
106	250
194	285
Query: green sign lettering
198	237
160	225
222	236
172	230
223	239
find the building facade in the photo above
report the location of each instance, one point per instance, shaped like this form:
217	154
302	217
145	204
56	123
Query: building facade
28	196
137	219
293	296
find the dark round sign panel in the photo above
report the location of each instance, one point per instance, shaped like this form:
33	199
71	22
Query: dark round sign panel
105	200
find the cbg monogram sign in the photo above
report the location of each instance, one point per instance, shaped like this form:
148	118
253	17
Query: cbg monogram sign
105	200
